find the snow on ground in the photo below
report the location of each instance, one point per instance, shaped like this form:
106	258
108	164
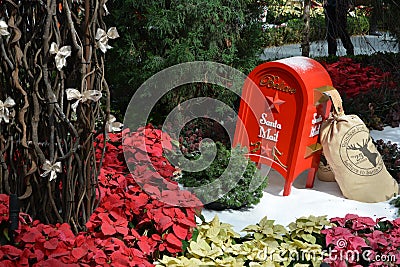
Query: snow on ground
363	44
324	198
388	134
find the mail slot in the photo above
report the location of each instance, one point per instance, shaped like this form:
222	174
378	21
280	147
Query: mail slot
280	116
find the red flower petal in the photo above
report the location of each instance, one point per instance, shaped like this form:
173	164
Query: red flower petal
173	240
107	229
78	253
51	243
180	231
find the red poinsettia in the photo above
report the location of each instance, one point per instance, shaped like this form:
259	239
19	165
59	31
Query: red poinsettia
351	78
355	240
131	225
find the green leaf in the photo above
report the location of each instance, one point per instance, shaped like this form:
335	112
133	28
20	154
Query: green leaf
195	234
185	245
5	233
258	236
309	238
251	228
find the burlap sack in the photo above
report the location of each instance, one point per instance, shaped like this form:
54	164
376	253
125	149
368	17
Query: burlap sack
324	172
357	165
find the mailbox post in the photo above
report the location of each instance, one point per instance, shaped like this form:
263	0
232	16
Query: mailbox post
283	133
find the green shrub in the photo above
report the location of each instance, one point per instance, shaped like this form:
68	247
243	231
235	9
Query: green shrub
317	28
275	36
241	195
357	25
280	11
156	35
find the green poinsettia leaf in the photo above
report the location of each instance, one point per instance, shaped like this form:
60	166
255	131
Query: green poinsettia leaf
300	244
258	236
199	248
215	221
309	238
269	230
195	234
272	245
280	229
185	245
251	228
214	252
265	223
213	232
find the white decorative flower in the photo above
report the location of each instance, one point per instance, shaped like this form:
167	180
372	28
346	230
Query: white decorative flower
4	112
3	28
61	54
72	94
51	169
102	38
113	125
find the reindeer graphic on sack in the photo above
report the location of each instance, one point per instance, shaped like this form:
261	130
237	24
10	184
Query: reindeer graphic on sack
366	153
357	166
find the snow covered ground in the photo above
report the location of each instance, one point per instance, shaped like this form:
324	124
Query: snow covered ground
388	134
363	44
324	198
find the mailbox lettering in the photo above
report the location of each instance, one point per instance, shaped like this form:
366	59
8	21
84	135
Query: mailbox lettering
266	134
315	130
316	120
273	82
316	125
272	124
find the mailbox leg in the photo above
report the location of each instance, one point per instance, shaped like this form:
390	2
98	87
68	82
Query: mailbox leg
287	188
311	178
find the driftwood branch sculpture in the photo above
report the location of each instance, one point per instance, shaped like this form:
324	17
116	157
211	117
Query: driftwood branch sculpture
46	135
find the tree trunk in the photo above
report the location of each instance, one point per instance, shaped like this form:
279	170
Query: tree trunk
305	44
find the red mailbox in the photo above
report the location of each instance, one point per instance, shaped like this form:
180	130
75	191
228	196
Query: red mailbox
280	116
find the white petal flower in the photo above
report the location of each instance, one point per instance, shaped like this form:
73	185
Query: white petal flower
102	38
4	106
113	125
73	94
3	28
51	169
61	54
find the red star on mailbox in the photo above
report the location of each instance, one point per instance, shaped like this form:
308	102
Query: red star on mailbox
266	150
275	102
